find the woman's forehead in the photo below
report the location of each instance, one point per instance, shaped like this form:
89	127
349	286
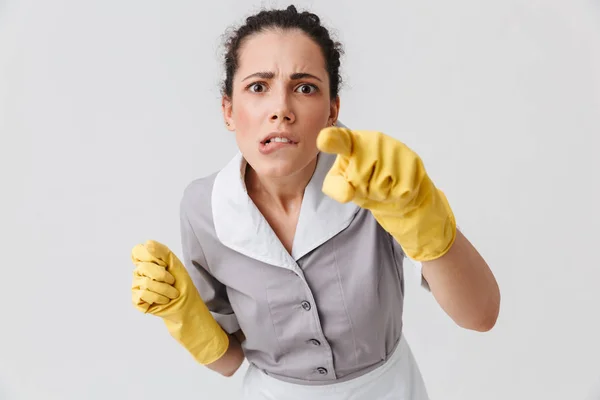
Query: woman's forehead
281	51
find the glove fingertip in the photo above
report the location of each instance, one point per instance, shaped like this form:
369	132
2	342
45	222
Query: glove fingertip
169	278
137	253
338	188
175	294
335	140
138	303
158	251
151	246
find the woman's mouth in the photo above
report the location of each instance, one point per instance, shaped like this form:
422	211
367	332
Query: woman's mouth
275	143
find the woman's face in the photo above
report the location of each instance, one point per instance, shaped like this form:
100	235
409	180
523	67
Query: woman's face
280	101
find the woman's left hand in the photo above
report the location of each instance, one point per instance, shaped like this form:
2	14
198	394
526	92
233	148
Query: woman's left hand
383	175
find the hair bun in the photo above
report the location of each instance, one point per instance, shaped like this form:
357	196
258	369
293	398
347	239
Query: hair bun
292	9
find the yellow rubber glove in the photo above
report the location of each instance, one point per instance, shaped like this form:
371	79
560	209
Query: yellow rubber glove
383	175
162	286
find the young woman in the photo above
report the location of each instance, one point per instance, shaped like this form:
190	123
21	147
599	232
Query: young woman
293	252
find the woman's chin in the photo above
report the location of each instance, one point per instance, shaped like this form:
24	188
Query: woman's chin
280	168
276	169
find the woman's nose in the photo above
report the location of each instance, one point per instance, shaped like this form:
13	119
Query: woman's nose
283	111
283	115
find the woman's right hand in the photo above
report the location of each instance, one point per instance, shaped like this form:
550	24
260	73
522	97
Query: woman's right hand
162	286
152	285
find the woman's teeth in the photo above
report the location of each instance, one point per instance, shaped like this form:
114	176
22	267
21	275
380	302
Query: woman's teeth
278	139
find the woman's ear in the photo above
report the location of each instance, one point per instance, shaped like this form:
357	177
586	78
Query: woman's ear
334	110
227	108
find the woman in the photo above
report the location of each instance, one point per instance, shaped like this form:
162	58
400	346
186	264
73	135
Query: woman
296	246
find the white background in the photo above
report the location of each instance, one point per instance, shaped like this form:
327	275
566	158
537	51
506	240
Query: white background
109	108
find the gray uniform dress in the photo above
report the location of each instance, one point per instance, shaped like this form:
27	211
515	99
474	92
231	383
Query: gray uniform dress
328	312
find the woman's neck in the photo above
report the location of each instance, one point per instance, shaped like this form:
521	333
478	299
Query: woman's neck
284	193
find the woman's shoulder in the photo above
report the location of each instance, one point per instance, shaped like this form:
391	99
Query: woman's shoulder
198	193
200	190
200	186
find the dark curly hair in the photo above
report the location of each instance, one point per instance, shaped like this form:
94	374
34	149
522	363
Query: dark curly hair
286	19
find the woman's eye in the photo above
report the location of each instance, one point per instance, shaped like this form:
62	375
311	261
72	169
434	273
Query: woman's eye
257	87
306	89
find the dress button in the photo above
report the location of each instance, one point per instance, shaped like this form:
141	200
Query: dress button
315	342
322	371
306	305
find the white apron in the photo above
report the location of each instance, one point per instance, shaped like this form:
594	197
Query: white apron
398	378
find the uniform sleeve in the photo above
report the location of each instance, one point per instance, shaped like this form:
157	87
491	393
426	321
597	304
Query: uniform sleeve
420	279
211	290
418	265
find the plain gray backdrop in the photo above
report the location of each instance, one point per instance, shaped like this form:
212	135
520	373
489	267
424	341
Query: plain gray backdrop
108	109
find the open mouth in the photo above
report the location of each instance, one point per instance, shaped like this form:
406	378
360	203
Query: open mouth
278	140
276	143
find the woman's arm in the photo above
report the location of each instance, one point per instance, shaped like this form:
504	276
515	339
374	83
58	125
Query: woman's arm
233	358
464	286
213	293
385	176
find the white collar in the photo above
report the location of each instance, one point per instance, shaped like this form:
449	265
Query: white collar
240	226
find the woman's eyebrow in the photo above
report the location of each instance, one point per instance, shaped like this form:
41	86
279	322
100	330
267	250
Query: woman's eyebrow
303	75
270	75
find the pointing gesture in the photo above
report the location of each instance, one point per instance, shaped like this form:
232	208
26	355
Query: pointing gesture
383	175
